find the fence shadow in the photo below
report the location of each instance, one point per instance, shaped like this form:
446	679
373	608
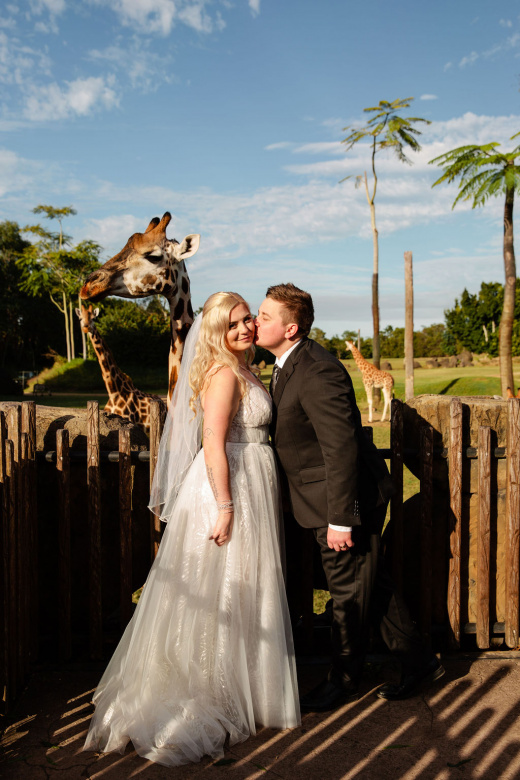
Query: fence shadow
466	725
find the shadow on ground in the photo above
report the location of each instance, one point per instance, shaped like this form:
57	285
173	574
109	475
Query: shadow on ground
467	725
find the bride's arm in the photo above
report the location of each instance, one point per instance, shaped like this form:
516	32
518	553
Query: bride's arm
221	400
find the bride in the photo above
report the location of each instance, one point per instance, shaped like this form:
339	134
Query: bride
209	651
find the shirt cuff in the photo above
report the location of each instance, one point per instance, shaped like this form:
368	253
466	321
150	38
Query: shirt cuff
342	528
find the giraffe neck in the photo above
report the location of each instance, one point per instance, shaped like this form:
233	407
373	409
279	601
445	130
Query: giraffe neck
113	377
181	320
361	363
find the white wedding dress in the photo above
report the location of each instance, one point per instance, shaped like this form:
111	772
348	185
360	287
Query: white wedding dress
209	650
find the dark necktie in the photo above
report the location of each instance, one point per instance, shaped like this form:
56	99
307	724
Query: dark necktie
274	379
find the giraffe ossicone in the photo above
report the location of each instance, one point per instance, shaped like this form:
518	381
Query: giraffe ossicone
152	264
373	377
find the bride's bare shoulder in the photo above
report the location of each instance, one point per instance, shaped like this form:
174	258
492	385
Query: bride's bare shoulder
219	377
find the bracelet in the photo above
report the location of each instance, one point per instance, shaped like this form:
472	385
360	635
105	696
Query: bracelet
225	505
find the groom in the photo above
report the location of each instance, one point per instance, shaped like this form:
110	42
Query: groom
339	486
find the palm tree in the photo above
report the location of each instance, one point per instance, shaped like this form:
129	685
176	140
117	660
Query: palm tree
385	130
484	172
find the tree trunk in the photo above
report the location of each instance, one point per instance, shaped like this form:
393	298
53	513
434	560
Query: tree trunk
376	351
71	326
508	312
408	326
67	335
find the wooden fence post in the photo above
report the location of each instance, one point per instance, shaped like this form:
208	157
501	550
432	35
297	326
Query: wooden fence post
13	635
5	685
513	522
64	565
24	549
125	526
396	502
14	425
155	439
94	517
29	427
455	480
483	535
426	456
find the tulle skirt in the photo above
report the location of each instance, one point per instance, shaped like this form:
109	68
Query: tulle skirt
209	650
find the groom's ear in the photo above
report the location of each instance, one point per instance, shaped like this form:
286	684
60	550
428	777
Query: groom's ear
291	330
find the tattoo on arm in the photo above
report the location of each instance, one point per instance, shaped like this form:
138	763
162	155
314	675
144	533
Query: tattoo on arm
211	480
208	432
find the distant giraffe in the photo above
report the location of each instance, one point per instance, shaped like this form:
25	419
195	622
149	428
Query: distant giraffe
373	377
124	399
151	264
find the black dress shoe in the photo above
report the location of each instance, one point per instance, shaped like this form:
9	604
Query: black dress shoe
411	683
328	695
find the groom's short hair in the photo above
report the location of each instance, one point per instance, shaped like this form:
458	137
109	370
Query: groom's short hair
298	306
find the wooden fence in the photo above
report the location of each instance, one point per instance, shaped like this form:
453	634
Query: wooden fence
441	550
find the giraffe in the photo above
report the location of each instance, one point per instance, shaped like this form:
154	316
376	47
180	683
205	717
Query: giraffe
124	399
373	377
151	264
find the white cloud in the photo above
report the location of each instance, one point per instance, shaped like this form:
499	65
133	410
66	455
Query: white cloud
16	173
428	97
506	22
254	5
18	61
78	98
279	145
52	6
448	66
137	60
161	16
469	60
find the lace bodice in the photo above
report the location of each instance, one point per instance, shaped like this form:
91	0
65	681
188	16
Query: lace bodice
251	422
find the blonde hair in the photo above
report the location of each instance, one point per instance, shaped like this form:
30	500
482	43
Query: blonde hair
212	347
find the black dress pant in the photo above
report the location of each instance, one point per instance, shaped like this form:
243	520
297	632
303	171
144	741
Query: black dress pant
363	594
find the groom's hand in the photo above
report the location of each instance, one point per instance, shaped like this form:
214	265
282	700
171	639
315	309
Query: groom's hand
339	540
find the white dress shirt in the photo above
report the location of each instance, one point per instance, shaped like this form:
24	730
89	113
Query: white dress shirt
280	363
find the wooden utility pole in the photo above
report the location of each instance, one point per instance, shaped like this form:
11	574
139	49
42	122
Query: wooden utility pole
408	326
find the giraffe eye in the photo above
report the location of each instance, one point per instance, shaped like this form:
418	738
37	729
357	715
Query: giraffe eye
153	257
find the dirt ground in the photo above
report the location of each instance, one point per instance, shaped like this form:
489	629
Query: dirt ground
466	725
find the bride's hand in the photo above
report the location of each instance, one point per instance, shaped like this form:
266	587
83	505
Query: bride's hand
222	531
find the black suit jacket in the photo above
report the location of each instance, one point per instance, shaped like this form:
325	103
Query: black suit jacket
334	473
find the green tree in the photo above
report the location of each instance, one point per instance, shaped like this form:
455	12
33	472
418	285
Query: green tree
29	327
483	172
385	130
51	265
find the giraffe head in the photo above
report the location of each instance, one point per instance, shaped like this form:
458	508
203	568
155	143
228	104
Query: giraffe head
148	264
349	344
86	317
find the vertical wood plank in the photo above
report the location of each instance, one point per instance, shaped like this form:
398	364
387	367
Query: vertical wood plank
483	535
14	425
513	523
396	502
24	552
155	439
4	582
94	519
64	561
426	455
12	637
125	526
455	480
29	427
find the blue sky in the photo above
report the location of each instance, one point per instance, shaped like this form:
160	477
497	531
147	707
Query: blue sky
230	113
